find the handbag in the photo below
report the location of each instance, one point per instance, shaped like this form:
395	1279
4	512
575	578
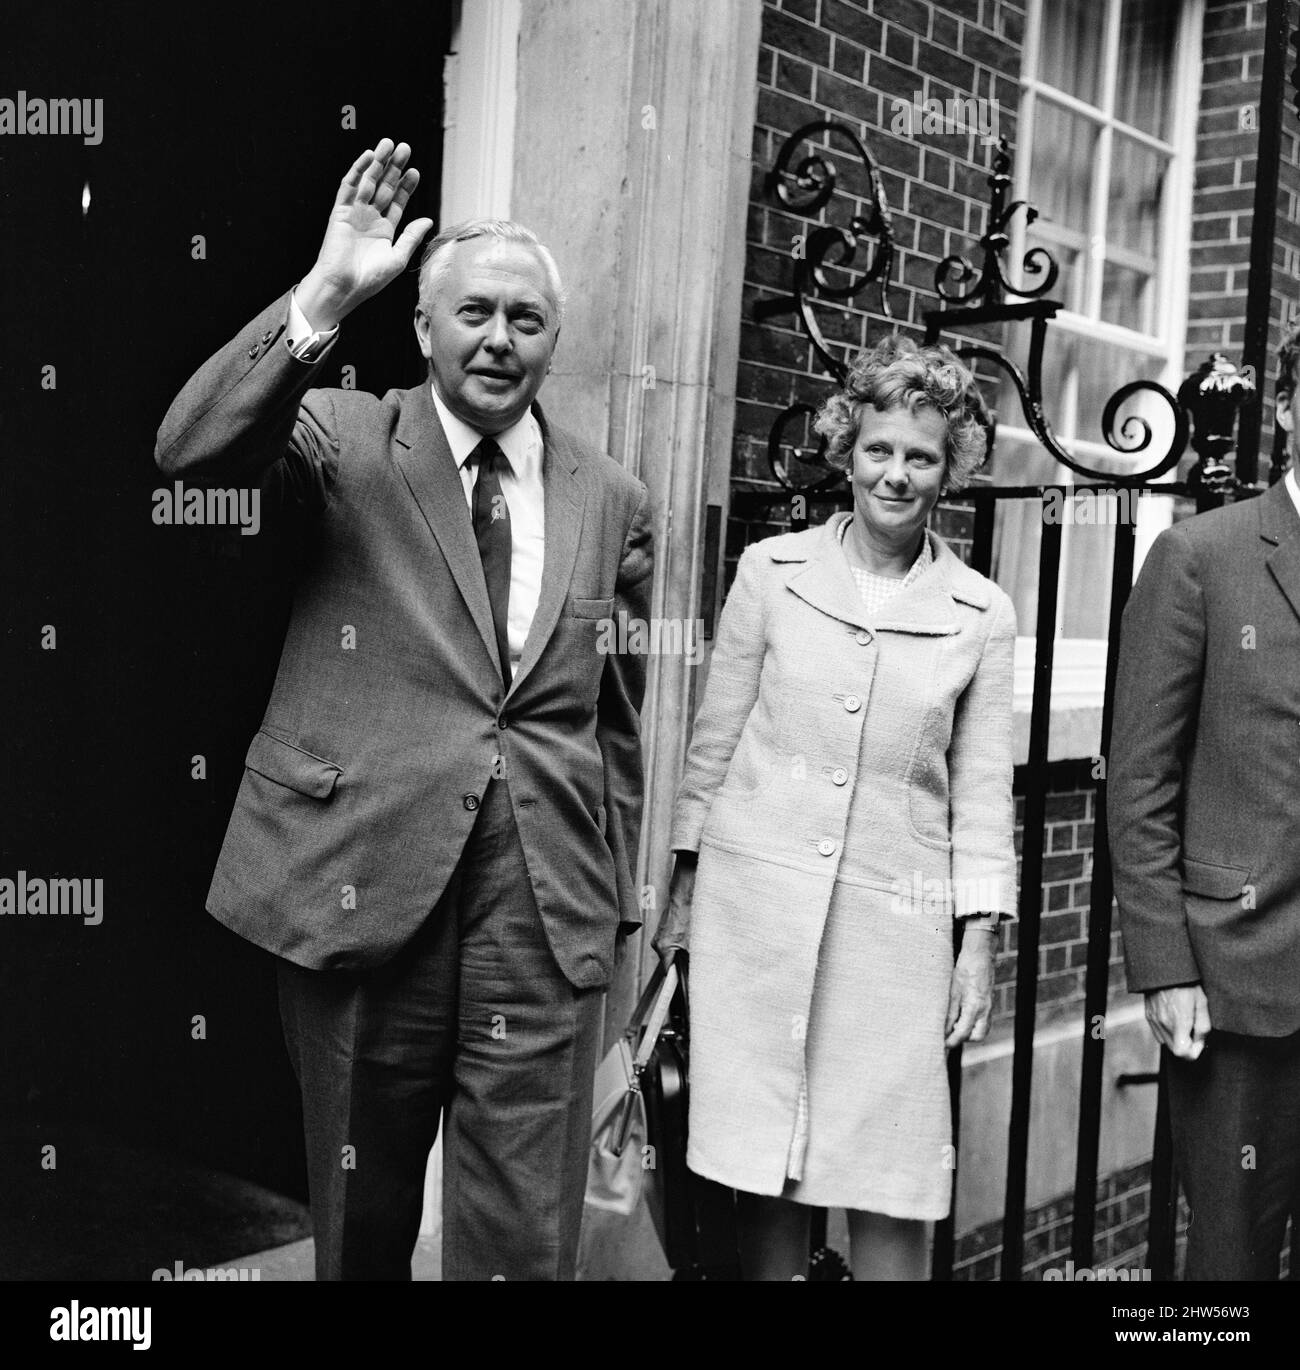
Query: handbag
639	1137
620	1147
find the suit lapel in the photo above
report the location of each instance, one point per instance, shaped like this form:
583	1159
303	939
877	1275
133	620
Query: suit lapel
424	458
1279	525
565	499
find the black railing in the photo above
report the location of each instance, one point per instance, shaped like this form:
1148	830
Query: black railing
973	296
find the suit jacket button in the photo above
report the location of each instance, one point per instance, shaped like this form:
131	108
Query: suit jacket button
852	703
470	801
252	351
266	337
840	776
826	847
863	636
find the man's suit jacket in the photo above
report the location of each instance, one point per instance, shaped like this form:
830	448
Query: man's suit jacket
1204	786
362	784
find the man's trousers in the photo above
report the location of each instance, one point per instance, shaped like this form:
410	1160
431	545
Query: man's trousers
474	1022
1235	1115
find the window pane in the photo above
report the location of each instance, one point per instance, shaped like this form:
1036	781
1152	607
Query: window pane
1060	175
1069	47
1144	94
1137	183
1127	297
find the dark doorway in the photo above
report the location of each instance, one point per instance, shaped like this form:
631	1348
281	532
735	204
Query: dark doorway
158	1029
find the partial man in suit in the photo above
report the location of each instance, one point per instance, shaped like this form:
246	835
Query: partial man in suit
1203	795
437	827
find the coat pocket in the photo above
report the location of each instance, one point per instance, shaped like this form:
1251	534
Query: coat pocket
292	767
1211	881
591	608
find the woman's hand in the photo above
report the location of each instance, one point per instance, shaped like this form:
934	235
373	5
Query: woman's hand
673	933
970	994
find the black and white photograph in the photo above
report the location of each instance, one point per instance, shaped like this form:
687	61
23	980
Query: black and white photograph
650	641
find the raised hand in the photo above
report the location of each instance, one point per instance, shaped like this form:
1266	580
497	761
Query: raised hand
362	250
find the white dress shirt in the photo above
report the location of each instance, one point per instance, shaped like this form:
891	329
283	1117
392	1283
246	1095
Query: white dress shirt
521	484
1293	488
522	487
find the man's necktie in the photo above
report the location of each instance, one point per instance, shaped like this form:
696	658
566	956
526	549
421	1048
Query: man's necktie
492	533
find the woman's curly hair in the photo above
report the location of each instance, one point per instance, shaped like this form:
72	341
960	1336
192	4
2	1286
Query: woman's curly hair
896	371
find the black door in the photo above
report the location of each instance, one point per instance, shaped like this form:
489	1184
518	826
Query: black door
130	649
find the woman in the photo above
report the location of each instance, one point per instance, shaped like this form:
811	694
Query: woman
847	794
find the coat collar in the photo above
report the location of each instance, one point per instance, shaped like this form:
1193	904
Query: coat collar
821	577
1279	527
424	457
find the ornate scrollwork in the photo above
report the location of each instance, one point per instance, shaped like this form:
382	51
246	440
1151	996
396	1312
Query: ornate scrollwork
805	188
973	295
990	284
780	467
1133	435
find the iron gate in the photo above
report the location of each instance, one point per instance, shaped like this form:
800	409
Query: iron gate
975	295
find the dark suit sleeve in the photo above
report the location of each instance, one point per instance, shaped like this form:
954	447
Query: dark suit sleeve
1157	696
618	722
247	417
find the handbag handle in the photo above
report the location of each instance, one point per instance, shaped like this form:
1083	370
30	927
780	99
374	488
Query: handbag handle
657	1018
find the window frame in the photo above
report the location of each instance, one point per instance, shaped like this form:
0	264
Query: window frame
1080	696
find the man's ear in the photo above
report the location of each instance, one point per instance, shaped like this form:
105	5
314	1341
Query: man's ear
421	322
551	360
1282	411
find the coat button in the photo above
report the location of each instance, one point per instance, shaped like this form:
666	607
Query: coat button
503	722
840	776
826	847
470	801
252	351
863	636
266	337
852	703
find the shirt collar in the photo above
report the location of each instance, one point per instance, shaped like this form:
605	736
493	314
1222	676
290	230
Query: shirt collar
517	441
1293	487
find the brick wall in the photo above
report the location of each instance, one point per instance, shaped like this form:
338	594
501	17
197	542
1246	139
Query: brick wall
1063	932
1224	193
862	64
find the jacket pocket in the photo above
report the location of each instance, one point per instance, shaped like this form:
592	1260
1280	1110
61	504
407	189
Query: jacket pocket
591	608
292	767
1211	881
